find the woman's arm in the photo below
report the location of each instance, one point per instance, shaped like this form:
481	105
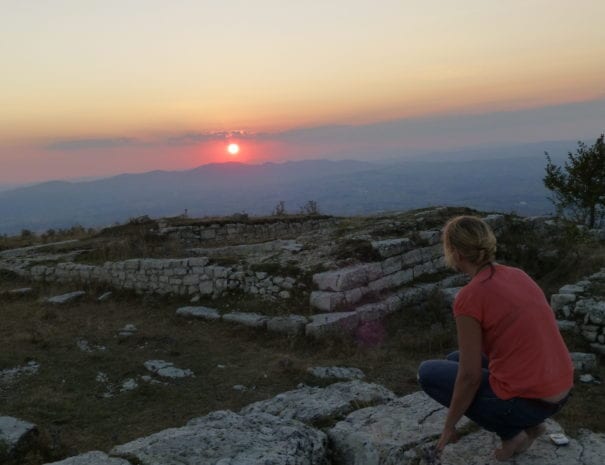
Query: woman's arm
469	376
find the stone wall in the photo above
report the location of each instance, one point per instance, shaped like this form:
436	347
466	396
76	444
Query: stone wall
346	287
187	276
580	307
241	233
404	261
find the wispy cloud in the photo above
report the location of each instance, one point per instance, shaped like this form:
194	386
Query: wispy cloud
190	138
85	144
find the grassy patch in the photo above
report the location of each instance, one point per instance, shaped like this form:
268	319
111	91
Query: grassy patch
65	399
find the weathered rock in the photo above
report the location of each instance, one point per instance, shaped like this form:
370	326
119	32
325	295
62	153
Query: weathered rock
373	311
449	294
11	373
85	346
477	449
92	458
598	348
166	369
565	325
559	301
315	405
290	324
496	221
583	362
17	436
386	434
571	289
205	313
65	298
432	236
254	320
336	372
292	246
21	291
127	331
592	308
325	324
226	438
105	296
390	247
342	279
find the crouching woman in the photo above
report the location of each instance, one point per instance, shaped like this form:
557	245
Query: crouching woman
512	370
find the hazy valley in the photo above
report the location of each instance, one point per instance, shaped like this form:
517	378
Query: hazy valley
491	179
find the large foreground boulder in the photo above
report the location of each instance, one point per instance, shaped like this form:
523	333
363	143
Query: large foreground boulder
313	405
388	434
92	458
477	449
226	438
17	437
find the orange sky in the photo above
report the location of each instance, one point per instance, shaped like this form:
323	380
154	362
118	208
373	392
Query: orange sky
150	70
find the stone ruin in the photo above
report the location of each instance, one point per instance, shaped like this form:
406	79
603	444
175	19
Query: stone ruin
345	423
580	307
406	265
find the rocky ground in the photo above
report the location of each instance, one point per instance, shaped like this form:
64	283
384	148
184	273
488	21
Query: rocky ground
237	377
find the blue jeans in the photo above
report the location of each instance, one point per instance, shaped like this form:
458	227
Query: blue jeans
506	418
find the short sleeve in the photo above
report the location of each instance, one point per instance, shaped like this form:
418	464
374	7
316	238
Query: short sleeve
467	303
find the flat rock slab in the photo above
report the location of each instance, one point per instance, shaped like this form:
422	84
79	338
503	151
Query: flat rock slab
571	289
204	313
314	405
65	298
583	361
477	449
105	296
92	458
336	372
166	369
16	435
12	373
21	291
226	438
387	434
325	324
290	324
254	320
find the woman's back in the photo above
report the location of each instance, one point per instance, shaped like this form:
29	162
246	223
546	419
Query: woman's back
527	355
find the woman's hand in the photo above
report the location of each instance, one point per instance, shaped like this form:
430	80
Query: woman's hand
448	436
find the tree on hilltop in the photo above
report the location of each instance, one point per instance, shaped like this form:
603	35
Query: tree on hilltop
578	186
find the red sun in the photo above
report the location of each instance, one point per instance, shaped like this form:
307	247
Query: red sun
233	149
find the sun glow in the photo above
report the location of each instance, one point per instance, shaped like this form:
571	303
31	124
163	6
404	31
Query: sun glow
233	149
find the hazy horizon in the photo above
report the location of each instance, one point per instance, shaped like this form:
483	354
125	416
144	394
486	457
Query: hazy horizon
102	88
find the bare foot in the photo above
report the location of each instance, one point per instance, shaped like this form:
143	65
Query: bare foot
512	446
532	434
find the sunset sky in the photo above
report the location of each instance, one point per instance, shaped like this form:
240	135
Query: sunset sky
93	88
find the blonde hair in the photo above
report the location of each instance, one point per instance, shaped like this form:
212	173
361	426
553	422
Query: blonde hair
472	238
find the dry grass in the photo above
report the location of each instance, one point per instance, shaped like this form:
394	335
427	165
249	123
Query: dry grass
66	402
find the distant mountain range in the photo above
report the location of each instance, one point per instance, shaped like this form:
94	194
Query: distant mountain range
493	179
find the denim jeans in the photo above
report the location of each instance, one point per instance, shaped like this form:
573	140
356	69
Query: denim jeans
506	418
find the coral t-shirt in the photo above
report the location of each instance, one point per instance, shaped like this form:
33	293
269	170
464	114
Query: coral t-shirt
527	355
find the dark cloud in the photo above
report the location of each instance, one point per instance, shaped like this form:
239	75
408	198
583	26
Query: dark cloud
198	137
84	144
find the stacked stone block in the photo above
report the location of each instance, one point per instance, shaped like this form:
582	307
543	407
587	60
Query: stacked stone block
581	307
240	233
186	276
345	287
